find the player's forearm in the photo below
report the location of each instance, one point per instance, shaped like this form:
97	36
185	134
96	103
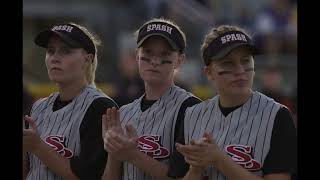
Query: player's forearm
193	174
150	165
55	162
112	170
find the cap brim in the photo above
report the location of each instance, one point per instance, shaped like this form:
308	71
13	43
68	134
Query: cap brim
172	44
42	39
227	50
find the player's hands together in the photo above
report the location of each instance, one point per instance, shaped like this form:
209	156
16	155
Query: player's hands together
118	143
201	153
110	120
31	139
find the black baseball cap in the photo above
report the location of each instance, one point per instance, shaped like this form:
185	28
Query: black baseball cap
225	43
70	34
165	30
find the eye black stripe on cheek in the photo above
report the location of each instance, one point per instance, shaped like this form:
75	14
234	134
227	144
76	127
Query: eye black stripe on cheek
224	72
145	59
249	69
230	72
166	62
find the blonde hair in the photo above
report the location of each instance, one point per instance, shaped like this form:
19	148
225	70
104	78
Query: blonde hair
91	71
214	33
168	21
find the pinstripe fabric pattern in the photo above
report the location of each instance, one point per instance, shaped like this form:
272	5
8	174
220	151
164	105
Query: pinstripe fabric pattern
62	126
249	126
155	127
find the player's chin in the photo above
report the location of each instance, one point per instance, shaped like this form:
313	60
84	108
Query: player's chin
159	83
154	81
152	78
56	79
240	91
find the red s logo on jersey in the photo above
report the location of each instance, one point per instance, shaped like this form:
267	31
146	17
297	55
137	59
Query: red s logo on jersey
243	155
152	147
57	143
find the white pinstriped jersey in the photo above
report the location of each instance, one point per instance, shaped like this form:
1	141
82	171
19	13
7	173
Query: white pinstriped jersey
155	128
245	134
60	128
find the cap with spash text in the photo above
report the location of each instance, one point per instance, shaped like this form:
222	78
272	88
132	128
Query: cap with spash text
159	28
225	43
70	34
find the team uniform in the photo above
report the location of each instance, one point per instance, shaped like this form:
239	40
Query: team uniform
258	135
156	123
73	129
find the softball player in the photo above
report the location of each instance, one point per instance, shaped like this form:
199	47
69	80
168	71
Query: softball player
156	115
62	141
240	133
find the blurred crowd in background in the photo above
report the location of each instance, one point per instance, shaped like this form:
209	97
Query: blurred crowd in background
272	24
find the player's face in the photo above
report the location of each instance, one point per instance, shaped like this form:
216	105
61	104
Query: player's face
157	61
65	65
233	75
